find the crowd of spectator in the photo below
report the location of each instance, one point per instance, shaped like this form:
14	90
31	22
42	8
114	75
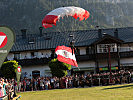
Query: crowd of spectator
7	87
46	83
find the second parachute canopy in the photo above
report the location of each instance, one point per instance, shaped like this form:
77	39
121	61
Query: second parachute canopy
53	16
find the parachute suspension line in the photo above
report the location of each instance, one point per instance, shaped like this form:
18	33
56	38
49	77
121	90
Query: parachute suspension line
97	5
67	3
106	10
51	5
74	26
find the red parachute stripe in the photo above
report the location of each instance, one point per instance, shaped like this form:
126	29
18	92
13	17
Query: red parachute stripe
67	60
51	19
47	25
86	15
75	16
63	48
82	16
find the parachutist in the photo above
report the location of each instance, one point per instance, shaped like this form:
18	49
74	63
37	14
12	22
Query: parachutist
72	46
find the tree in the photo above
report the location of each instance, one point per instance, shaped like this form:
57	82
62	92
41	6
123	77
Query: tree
58	69
8	69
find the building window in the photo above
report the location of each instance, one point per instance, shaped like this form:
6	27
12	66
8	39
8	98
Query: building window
17	56
35	74
103	48
32	54
89	50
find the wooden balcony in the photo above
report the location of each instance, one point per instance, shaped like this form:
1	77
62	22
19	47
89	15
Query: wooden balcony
85	57
106	55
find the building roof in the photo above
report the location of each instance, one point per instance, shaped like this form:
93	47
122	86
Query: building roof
52	39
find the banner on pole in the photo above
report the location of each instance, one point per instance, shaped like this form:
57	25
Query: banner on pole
18	73
7	39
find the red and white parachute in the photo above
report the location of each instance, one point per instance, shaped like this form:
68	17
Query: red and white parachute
53	16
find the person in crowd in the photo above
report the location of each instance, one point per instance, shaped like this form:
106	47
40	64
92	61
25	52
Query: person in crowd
89	80
27	85
49	86
24	85
19	87
128	76
82	80
70	82
132	76
31	85
38	83
56	83
46	84
4	86
35	85
66	82
52	82
1	89
41	84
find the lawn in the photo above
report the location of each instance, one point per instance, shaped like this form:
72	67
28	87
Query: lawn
116	92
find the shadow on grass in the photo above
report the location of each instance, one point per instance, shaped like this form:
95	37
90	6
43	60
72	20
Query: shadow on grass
118	87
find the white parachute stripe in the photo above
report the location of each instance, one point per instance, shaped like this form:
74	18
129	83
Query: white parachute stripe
62	11
59	11
79	10
2	38
71	11
60	52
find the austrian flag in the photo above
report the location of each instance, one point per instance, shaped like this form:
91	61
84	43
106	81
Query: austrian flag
64	54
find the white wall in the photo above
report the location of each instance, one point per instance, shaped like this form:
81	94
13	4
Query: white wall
86	64
124	47
27	54
46	53
22	55
82	50
103	63
29	70
126	60
10	56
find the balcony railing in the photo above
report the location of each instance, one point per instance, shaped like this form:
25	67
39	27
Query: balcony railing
126	54
35	61
45	60
125	49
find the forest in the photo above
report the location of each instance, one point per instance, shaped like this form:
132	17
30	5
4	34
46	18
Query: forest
28	14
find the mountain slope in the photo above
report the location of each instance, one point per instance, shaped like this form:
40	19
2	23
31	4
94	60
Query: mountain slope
19	14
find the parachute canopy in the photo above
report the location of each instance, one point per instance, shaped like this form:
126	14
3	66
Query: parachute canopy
53	16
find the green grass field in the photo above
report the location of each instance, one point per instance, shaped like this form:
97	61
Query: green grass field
115	92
